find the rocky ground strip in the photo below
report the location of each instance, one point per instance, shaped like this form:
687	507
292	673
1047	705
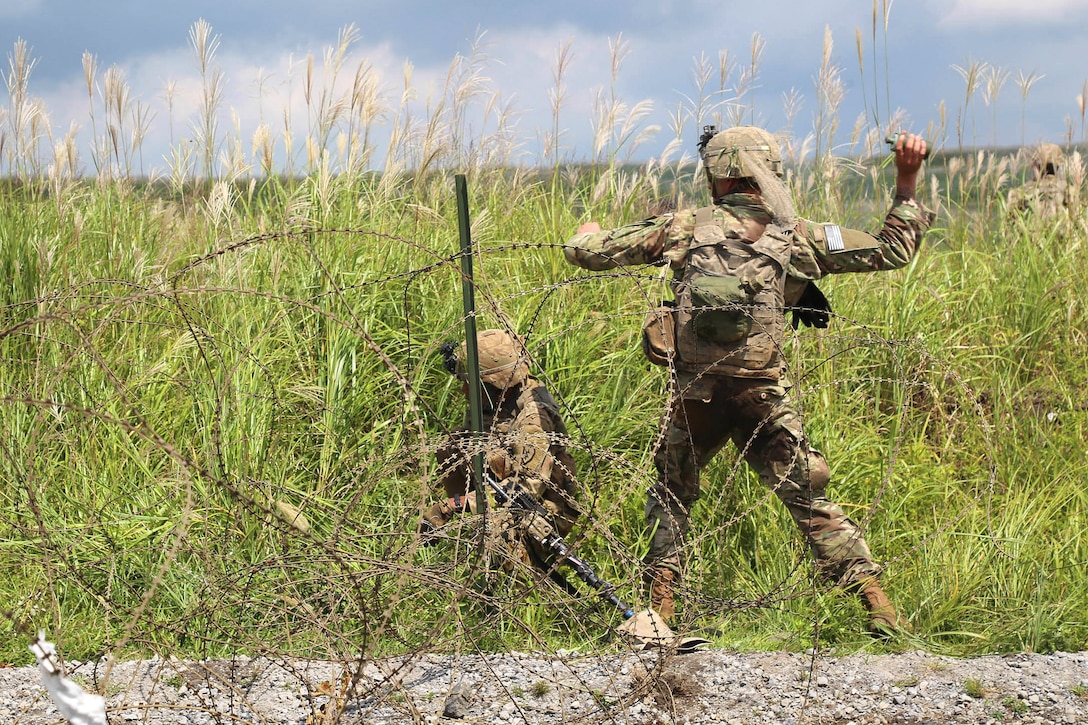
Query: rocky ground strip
640	688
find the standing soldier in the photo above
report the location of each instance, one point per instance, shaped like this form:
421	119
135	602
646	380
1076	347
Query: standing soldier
1049	194
526	448
738	266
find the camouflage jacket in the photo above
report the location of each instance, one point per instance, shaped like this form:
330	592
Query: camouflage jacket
525	427
527	443
1048	196
781	260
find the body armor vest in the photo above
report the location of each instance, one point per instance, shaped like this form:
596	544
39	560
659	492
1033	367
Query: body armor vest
731	298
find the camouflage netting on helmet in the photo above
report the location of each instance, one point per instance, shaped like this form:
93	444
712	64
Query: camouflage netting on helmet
1048	158
504	362
749	152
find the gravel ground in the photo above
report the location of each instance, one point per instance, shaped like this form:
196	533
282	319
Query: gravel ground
570	687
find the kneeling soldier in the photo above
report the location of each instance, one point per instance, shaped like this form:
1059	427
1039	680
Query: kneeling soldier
526	445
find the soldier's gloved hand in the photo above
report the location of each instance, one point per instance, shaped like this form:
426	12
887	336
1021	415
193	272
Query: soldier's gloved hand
438	515
812	308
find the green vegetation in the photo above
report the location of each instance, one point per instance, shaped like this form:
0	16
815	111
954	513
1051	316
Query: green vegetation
187	363
974	688
1014	704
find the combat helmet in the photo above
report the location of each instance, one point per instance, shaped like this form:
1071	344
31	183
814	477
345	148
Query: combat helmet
742	152
504	362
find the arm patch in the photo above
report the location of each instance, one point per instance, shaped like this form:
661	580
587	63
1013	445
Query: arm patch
833	235
838	240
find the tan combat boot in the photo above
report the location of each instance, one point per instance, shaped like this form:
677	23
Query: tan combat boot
662	599
884	621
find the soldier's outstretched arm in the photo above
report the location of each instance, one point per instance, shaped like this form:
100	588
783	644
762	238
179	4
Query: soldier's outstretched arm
831	249
640	243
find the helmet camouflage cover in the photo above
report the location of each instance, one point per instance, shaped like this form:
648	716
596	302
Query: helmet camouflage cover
750	152
742	152
1048	156
504	361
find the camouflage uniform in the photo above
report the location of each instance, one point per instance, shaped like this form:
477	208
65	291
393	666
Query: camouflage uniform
525	448
735	389
1049	194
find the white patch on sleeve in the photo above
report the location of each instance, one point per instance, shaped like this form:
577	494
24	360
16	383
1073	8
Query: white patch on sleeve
834	238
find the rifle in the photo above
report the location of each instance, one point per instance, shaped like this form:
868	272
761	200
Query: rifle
545	534
644	626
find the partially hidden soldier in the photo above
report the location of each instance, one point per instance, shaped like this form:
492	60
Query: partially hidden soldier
1048	194
738	266
525	450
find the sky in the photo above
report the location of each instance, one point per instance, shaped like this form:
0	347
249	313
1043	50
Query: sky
913	67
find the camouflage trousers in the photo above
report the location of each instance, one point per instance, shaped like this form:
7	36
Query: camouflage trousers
761	420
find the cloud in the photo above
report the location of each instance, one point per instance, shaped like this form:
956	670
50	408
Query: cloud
266	86
1004	13
264	66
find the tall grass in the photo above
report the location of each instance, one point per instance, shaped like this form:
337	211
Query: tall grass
221	400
